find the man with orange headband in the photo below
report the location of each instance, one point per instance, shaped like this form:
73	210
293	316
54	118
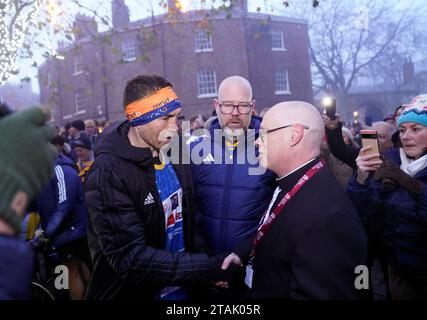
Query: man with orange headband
141	206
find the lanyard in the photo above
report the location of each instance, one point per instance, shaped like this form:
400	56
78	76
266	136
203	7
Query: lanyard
262	229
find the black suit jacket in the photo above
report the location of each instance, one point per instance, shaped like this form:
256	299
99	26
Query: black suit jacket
312	249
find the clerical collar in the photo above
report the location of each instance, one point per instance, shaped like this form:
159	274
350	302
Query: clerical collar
289	180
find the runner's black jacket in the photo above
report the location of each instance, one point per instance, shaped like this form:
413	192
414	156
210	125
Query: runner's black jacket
127	232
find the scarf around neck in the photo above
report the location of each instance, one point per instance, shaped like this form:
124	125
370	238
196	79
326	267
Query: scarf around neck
411	166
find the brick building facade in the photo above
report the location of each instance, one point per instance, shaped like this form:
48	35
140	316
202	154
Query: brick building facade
195	50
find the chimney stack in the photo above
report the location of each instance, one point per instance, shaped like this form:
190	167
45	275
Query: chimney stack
240	7
119	14
84	26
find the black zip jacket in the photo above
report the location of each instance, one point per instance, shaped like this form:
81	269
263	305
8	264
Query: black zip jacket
127	233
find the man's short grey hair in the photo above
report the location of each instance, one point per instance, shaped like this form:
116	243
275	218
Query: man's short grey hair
390	128
350	136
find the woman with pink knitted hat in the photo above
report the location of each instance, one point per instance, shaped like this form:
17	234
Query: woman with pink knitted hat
390	193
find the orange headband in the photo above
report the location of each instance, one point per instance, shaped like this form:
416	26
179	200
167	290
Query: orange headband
147	104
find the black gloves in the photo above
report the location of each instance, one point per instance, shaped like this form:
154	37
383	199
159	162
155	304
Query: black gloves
393	177
39	242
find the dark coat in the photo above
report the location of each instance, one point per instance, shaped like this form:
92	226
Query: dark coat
341	151
127	233
16	269
230	201
312	249
399	218
61	205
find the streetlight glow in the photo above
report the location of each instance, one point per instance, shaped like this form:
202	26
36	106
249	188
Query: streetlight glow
182	5
327	101
54	11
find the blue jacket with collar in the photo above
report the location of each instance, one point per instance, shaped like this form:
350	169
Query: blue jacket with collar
230	201
61	205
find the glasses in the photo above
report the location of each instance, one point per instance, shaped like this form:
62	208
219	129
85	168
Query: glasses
242	107
263	133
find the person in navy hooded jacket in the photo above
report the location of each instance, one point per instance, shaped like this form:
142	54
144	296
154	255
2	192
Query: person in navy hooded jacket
63	216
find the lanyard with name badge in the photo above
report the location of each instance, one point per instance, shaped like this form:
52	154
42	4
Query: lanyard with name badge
263	228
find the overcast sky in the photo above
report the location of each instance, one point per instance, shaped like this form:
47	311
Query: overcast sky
143	8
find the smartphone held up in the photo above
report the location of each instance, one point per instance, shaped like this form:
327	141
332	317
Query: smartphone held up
370	138
330	106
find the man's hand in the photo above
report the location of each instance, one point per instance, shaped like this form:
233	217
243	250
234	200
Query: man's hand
331	124
367	163
39	240
232	258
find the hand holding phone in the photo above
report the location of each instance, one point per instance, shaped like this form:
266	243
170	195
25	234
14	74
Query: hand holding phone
369	157
330	105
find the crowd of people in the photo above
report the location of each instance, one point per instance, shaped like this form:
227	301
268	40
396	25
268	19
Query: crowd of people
132	217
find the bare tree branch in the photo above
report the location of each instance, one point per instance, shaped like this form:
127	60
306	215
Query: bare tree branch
343	51
19	7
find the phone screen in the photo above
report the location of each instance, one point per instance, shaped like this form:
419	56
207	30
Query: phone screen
331	108
369	138
330	111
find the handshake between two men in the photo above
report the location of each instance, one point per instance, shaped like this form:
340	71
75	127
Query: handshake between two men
227	271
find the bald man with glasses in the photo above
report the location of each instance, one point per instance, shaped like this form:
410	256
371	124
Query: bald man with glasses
310	241
230	200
